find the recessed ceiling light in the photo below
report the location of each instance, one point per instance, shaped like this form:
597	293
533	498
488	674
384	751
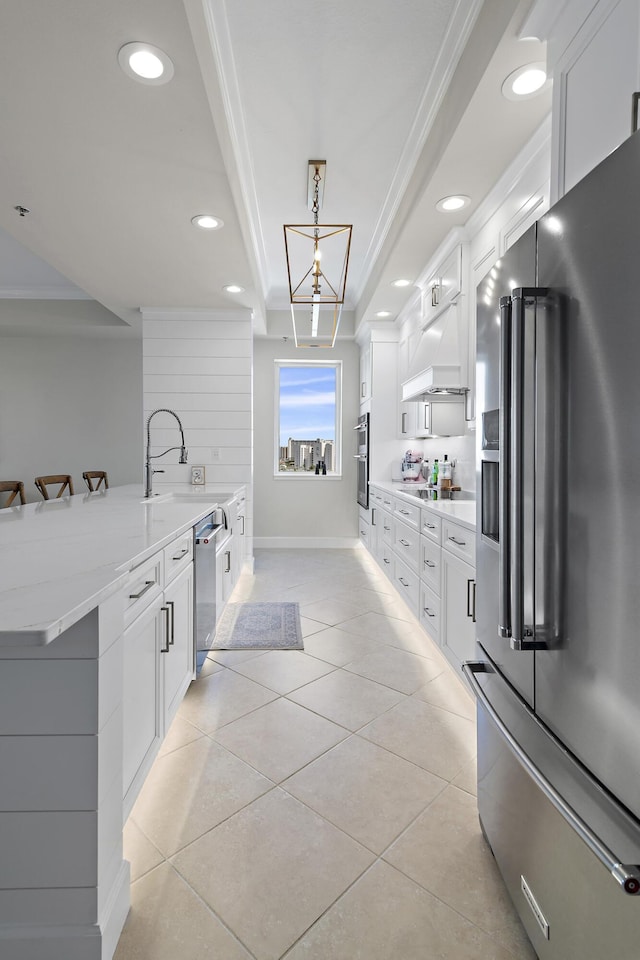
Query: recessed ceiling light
206	222
383	313
145	63
401	283
233	288
526	82
453	203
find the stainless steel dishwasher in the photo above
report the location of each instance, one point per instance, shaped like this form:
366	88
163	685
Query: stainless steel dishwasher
205	537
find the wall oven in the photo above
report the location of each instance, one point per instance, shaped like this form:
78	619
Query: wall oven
362	459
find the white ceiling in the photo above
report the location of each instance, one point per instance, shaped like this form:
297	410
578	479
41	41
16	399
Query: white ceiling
401	98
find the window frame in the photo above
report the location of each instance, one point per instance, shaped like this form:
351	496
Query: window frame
336	473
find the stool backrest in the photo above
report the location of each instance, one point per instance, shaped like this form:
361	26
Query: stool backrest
64	479
100	475
15	488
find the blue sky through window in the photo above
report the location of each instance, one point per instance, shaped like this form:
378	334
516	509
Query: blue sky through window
307	403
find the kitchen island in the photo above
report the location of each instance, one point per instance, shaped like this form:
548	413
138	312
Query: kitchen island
94	590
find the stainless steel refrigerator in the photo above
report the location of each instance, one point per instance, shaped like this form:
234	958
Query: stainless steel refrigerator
557	675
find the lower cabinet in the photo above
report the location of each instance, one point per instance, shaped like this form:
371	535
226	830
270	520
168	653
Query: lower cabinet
458	609
363	527
407	583
224	574
430	611
157	658
429	559
141	713
177	653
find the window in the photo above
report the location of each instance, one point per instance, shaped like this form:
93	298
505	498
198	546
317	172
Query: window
308	418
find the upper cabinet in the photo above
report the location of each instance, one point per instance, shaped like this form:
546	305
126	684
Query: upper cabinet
594	52
438	360
366	354
443	286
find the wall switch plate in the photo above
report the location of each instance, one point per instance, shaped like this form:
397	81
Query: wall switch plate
197	475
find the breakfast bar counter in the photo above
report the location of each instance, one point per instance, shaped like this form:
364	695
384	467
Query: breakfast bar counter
96	652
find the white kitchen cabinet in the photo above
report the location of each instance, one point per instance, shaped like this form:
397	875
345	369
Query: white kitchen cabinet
177	655
439	418
158	655
365	372
459	540
431	564
141	708
224	574
239	534
430	611
363	527
596	70
406	543
407	420
407	583
408	513
443	286
458	609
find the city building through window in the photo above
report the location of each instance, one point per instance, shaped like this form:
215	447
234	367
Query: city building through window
308	434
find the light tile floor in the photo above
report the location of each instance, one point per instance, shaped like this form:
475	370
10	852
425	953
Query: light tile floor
319	805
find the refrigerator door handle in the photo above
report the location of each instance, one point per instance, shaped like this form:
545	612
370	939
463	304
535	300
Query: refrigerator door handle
516	451
626	875
521	636
504	584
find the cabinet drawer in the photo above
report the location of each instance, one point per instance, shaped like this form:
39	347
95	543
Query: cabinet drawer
460	541
406	543
177	556
408	512
386	526
431	526
376	496
430	569
388	503
407	584
430	612
386	559
363	530
143	586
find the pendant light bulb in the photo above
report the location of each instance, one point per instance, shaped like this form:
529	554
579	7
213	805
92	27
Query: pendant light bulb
315	314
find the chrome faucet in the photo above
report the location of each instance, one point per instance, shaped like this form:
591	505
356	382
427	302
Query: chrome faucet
148	471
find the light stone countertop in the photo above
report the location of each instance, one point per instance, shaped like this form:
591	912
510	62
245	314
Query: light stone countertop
460	511
59	559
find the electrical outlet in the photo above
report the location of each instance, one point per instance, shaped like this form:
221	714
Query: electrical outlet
197	475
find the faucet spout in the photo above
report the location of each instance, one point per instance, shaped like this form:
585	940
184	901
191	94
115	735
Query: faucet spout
148	470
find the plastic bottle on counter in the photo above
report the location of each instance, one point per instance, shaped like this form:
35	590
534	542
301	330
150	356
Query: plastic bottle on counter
435	472
426	470
445	473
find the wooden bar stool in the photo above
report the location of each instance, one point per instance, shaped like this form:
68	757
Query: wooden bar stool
100	475
15	488
62	478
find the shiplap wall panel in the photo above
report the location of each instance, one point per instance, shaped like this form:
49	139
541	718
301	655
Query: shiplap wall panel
202	402
195	330
200	364
198	348
187	383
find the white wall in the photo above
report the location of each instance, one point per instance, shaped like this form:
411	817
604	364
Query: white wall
199	364
70	403
308	509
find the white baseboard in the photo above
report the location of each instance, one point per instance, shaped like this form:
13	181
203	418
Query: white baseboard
307	543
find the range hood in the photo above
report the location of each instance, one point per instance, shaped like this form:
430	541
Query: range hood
435	370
